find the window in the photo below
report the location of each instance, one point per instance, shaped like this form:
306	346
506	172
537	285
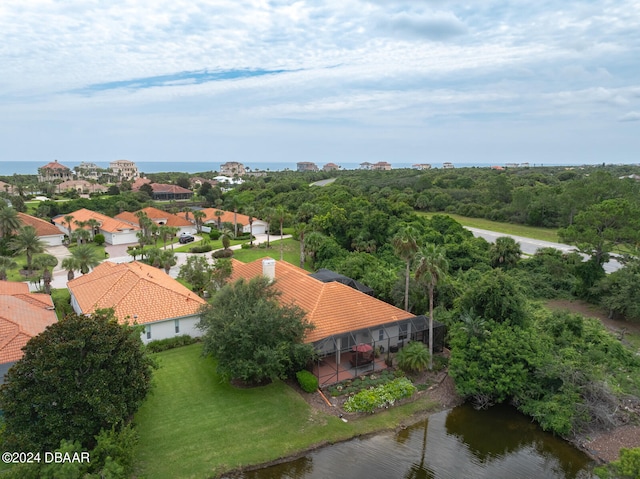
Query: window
148	330
403	331
177	323
381	335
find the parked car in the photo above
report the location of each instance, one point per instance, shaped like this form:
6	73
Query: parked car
186	239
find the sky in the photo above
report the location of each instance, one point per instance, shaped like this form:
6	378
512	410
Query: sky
258	81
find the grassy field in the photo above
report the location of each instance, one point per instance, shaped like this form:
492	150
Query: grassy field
193	425
543	234
290	252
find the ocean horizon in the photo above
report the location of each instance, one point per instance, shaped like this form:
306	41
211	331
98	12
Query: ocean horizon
9	168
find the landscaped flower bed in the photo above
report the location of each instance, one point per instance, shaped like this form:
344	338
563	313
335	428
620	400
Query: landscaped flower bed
353	386
385	395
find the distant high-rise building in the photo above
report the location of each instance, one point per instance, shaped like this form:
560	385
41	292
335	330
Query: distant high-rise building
232	168
124	169
306	166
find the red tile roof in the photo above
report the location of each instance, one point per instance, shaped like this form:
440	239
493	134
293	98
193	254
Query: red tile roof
42	227
227	216
165	188
23	315
54	165
156	215
333	307
107	223
136	291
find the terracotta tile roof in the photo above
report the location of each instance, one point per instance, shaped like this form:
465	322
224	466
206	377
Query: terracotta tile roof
135	186
23	315
333	307
165	188
156	215
227	216
42	227
54	165
136	291
107	223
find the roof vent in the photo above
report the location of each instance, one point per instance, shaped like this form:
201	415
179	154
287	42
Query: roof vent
269	269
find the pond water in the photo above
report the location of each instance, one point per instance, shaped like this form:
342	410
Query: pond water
460	443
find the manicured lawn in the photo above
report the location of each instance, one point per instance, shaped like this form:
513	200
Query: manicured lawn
193	425
543	234
215	244
290	252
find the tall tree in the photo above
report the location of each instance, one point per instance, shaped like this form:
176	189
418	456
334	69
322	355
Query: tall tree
281	215
405	245
79	376
27	242
85	258
252	336
505	253
250	211
68	219
9	221
46	263
432	266
198	216
6	263
70	265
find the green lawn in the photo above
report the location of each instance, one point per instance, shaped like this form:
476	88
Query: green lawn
290	250
543	234
193	425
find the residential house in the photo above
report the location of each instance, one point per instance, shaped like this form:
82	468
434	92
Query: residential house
54	172
421	166
365	165
381	166
511	165
211	220
344	318
46	231
81	186
232	168
330	167
197	181
124	169
135	186
88	171
162	191
306	166
6	187
159	217
447	165
115	231
23	315
139	294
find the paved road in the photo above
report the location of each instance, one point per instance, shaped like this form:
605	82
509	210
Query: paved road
530	246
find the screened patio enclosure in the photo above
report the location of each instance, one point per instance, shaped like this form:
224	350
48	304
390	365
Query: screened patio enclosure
342	356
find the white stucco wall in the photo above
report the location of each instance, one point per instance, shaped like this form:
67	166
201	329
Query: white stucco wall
53	240
167	329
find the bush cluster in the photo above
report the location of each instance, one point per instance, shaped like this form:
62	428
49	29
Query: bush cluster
308	382
222	253
215	234
386	395
170	343
358	384
205	248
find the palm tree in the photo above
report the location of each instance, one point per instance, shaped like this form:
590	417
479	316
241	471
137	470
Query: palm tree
505	253
86	258
28	242
70	265
301	230
269	215
226	240
218	215
68	219
198	216
432	266
167	260
81	235
6	262
9	221
46	263
250	211
281	214
235	203
405	244
94	224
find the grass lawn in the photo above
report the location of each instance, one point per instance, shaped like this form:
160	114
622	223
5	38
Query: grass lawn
543	234
215	244
193	425
290	250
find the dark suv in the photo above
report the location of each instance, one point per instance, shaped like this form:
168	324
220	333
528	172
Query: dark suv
186	239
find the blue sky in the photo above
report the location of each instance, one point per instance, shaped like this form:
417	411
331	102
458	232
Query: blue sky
343	81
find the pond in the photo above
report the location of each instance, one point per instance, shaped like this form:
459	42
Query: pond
461	443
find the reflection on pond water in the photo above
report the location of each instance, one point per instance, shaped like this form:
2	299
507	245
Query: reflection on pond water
461	443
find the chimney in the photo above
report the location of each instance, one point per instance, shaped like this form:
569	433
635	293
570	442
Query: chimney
269	269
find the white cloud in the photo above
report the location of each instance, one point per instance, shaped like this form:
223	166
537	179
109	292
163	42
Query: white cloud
631	116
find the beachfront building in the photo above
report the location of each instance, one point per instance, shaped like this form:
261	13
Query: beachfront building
330	167
365	165
81	186
88	171
381	166
232	168
124	169
54	172
421	166
447	166
306	166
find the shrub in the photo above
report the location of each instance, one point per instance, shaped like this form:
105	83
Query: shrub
99	239
386	395
214	234
246	246
222	253
308	382
205	248
414	357
170	343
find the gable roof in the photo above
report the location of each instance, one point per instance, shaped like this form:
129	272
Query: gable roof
107	223
136	291
227	216
156	215
333	308
23	315
42	227
166	188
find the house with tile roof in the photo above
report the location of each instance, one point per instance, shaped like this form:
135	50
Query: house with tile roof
23	315
46	231
162	191
159	217
81	186
115	231
213	221
139	294
344	318
54	172
124	169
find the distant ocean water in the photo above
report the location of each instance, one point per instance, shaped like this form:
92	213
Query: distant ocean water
8	168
